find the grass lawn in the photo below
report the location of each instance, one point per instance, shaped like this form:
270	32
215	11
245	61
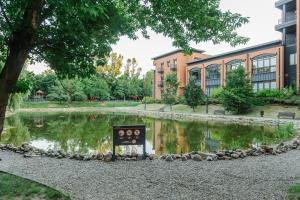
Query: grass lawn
14	187
294	192
270	110
48	104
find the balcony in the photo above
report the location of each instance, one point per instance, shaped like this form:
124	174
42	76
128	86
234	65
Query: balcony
289	22
279	4
160	70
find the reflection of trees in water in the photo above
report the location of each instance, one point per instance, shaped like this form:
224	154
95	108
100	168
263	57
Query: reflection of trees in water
16	132
81	132
169	136
84	132
194	134
237	136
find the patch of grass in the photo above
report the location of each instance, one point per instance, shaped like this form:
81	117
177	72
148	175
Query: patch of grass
294	192
14	187
78	104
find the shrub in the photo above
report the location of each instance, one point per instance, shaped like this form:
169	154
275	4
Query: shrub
238	95
270	93
216	93
148	100
181	100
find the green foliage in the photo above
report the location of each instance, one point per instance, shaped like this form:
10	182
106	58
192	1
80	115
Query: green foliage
169	94
284	132
238	95
148	100
71	44
216	93
13	187
270	93
294	192
193	94
96	87
289	91
181	100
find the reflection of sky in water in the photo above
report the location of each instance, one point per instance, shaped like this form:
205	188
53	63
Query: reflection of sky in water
46	145
89	133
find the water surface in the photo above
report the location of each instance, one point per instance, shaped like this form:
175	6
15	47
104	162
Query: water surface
88	132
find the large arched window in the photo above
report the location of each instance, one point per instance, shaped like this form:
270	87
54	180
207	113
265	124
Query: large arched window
232	65
264	72
213	72
264	64
212	78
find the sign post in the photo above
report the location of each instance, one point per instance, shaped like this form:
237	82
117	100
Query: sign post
129	135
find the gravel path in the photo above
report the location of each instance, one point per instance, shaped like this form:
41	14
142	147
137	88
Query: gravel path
264	177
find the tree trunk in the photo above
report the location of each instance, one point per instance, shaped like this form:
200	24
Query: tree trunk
19	47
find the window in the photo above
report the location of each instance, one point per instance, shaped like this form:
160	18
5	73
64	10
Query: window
293	59
233	65
209	90
213	72
175	62
196	73
169	64
264	64
264	85
273	85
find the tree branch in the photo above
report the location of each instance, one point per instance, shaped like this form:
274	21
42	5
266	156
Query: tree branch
5	16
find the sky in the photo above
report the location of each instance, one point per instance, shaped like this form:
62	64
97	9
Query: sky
262	14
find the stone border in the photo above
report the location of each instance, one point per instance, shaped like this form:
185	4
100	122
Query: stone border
29	151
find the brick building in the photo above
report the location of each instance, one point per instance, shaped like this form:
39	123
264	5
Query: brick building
270	65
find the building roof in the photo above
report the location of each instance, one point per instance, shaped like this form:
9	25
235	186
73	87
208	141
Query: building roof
176	51
237	52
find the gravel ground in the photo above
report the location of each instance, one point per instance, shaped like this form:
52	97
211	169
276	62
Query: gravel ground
264	177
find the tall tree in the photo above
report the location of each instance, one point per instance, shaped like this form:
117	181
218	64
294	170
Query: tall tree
193	94
238	94
169	94
68	35
113	66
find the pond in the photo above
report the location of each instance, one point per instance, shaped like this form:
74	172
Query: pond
90	132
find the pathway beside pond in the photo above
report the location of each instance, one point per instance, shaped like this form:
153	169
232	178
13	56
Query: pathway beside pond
263	177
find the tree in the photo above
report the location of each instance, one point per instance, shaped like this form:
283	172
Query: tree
238	94
96	87
193	94
113	66
68	35
148	84
169	94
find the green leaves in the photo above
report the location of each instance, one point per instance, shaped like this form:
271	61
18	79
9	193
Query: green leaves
72	33
169	94
193	94
237	96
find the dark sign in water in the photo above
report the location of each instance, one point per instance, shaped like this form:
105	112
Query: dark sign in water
129	135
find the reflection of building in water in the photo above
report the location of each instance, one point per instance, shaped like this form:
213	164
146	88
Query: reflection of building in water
157	146
38	122
210	143
182	145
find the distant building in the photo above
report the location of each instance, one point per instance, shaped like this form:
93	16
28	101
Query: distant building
270	65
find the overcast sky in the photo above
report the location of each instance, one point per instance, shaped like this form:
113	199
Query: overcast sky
263	17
